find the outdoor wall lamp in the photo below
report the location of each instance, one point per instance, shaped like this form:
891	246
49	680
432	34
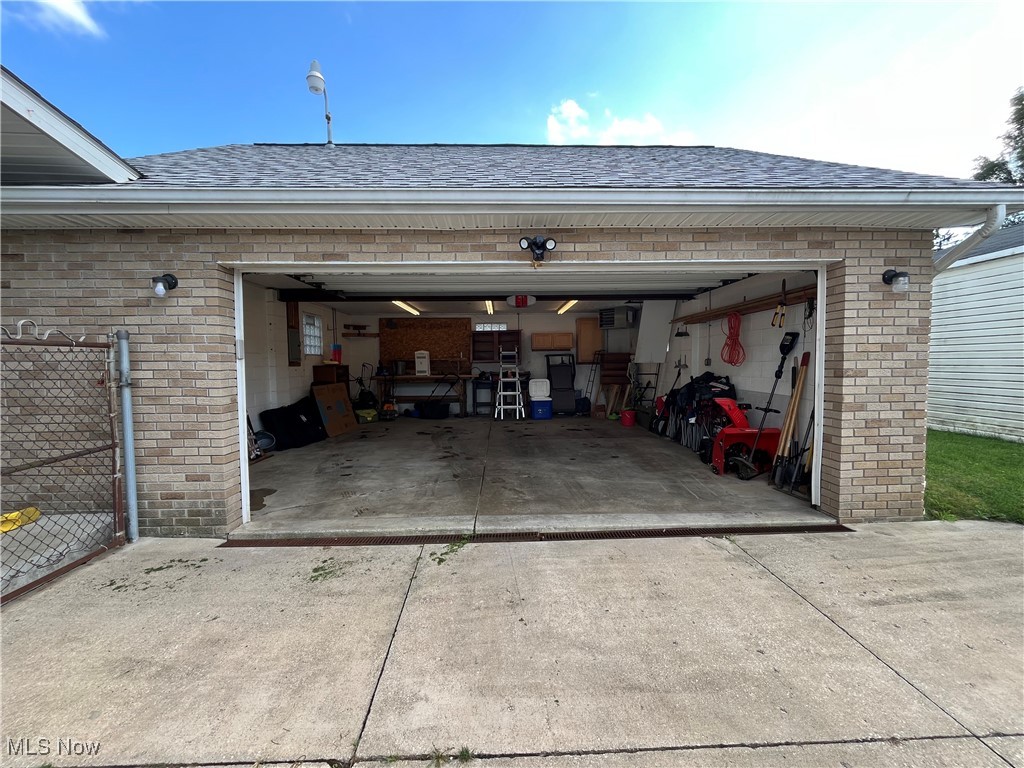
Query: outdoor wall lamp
899	281
317	85
539	245
163	284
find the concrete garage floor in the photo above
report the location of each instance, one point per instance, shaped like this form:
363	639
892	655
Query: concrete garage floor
892	645
476	475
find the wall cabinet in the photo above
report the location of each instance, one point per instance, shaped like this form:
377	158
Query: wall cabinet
552	342
486	344
589	339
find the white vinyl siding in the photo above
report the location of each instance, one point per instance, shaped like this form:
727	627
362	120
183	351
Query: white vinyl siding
976	366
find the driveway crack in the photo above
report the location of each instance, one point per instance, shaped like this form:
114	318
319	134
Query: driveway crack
673	748
878	658
387	655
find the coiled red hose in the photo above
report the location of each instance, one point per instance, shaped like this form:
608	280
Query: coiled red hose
733	352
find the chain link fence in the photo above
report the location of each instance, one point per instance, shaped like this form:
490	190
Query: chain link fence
59	458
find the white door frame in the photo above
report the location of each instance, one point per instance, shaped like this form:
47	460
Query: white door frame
243	424
336	268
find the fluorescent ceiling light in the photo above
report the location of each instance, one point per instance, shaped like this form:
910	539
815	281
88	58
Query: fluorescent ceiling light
408	308
490	306
567	306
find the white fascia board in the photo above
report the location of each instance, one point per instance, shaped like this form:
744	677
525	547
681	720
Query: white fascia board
180	201
552	268
63	130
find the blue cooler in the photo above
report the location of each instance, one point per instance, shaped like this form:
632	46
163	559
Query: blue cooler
540	399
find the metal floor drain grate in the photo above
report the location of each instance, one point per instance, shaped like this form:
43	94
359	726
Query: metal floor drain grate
534	536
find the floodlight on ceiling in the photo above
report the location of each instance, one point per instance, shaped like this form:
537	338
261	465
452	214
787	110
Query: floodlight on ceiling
538	245
317	85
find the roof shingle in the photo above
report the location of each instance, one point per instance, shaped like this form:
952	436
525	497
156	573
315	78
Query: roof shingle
469	166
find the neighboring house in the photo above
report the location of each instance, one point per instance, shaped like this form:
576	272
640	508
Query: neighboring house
85	232
976	356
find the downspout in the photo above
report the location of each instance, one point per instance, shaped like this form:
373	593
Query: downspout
994	220
127	423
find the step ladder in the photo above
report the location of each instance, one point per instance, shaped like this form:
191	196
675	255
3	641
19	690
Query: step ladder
509	396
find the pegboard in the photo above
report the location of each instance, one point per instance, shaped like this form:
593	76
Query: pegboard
445	338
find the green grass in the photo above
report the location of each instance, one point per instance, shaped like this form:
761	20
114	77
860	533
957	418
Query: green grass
974	477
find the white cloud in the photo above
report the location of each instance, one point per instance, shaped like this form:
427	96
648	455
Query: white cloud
916	108
570	123
647	130
68	15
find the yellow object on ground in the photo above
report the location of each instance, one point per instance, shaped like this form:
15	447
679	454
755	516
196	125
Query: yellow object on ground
11	520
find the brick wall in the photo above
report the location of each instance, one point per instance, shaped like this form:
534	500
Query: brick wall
876	379
183	345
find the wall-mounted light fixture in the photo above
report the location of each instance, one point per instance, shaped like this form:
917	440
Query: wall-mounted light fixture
164	283
567	306
407	307
490	306
539	245
317	85
681	331
899	281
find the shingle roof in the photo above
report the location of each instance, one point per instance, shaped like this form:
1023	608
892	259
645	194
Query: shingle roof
467	166
1000	240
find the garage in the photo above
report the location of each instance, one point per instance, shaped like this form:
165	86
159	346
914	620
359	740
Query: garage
218	264
602	339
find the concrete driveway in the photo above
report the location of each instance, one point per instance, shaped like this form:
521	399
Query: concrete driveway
895	644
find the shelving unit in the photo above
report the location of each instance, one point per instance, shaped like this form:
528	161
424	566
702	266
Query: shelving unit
486	344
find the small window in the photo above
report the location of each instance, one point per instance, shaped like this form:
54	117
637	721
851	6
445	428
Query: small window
492	326
312	335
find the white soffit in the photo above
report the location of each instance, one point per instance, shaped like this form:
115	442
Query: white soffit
41	145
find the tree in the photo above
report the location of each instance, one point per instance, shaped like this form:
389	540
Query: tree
1008	168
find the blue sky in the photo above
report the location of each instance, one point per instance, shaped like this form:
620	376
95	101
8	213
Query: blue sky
916	86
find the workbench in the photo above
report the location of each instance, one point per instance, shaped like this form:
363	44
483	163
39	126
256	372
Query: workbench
439	381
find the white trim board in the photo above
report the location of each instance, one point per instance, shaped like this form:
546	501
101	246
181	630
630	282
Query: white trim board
53	123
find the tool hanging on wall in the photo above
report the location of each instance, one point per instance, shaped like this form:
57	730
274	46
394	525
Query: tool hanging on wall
707	360
779	319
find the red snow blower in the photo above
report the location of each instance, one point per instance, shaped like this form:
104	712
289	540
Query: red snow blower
750	451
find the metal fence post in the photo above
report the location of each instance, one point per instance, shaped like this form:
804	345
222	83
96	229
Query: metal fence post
127	422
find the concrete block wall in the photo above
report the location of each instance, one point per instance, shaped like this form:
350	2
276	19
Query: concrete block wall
270	381
93	281
760	341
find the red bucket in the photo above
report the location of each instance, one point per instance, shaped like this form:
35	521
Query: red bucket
628	418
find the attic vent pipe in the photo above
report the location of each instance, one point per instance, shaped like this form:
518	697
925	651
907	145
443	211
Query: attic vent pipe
994	220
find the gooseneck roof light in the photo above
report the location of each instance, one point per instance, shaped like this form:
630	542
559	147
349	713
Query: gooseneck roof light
317	85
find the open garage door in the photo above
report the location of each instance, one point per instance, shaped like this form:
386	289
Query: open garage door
433	458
